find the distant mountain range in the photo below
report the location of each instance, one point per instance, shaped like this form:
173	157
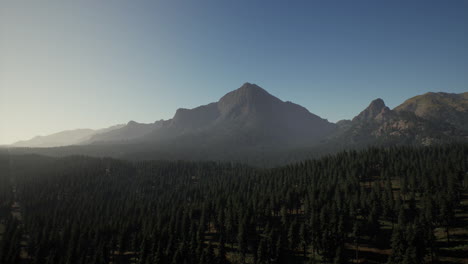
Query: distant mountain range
250	123
64	138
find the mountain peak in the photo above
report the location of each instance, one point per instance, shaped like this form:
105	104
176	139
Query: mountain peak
248	85
372	111
251	88
247	98
377	104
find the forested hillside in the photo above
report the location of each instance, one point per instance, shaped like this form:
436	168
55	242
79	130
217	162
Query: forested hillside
379	205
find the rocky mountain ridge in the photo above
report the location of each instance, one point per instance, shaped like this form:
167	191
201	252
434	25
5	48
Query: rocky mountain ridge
249	123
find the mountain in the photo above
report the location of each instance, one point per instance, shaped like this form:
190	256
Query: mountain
248	116
250	110
251	125
376	108
68	137
413	122
439	107
132	130
64	138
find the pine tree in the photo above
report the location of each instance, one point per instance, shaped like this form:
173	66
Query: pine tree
304	241
398	246
262	254
221	257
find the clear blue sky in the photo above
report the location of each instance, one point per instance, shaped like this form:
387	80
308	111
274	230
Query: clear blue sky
78	64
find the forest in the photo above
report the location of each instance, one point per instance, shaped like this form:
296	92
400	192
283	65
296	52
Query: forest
377	205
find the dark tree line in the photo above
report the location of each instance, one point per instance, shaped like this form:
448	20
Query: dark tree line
97	210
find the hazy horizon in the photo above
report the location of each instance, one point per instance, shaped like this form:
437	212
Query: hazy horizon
92	65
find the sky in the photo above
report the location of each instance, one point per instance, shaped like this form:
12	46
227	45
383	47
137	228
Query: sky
95	63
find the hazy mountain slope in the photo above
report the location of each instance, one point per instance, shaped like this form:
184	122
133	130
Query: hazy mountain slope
68	137
247	116
253	108
63	138
132	130
439	107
